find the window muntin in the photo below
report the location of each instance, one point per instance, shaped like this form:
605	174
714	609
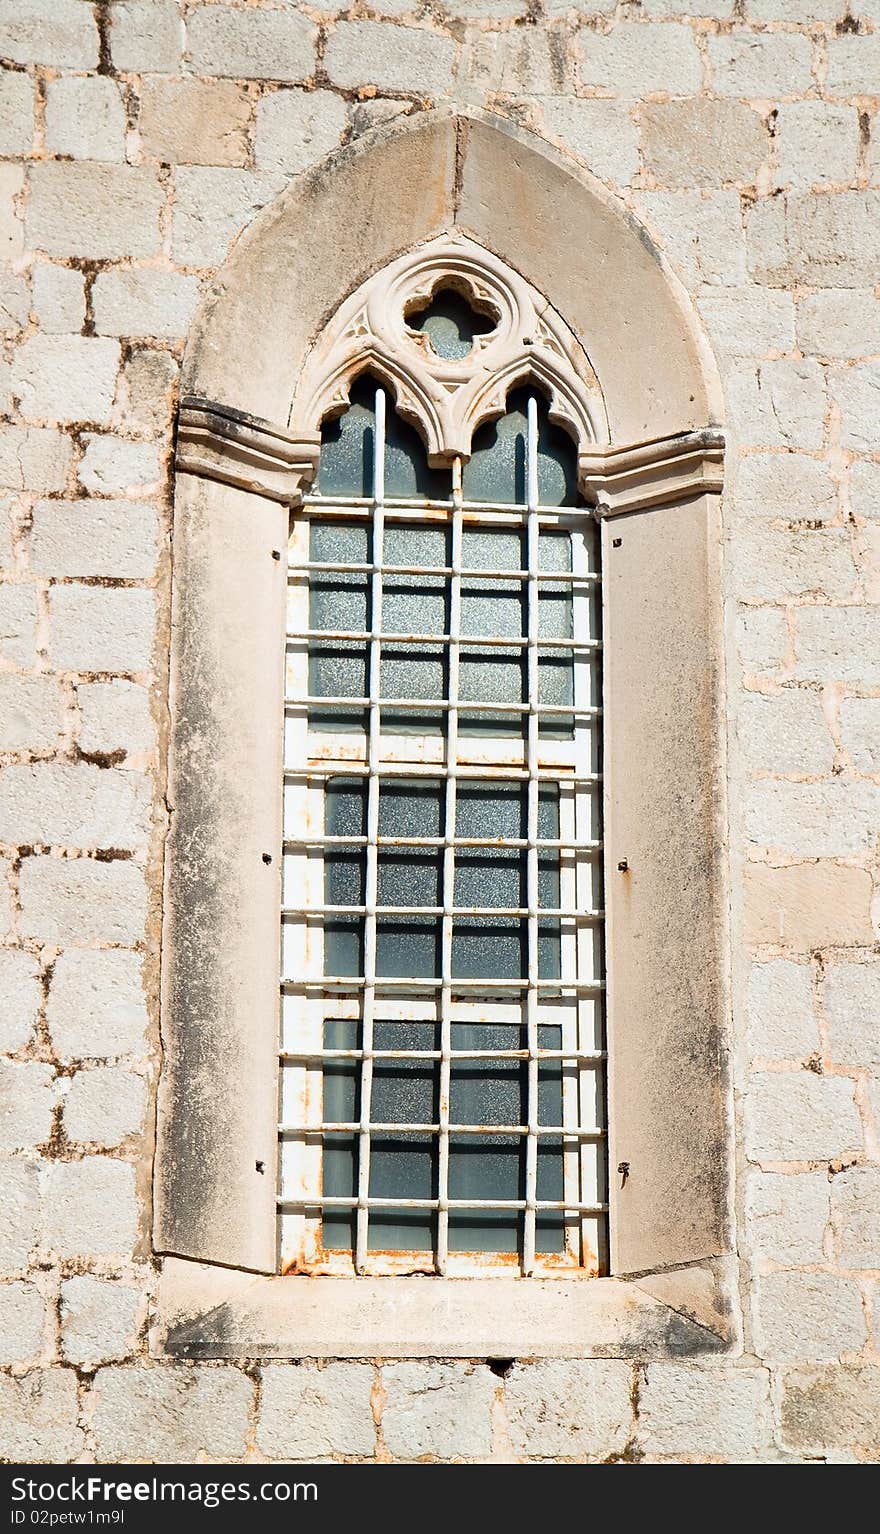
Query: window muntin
442	1101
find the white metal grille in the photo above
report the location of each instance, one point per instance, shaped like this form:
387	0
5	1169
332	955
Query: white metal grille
555	752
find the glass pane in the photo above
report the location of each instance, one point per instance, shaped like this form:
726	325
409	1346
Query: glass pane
409	946
345	814
340	1155
345	467
450	324
339	600
496	470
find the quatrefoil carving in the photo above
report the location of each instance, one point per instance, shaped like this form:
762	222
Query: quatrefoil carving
447	399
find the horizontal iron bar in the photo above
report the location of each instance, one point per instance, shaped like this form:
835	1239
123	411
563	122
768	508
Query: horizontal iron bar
561	778
442	705
569	1205
353	567
499	843
317	1056
400	983
560	913
465	641
378	1129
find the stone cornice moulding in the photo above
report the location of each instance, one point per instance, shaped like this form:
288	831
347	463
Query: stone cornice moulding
447	399
661	472
218	442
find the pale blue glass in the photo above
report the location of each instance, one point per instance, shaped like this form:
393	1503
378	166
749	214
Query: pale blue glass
450	324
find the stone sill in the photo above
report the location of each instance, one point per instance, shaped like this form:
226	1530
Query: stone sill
212	1312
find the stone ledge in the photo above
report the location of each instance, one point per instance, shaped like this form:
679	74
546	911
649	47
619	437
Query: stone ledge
212	1312
618	479
217	442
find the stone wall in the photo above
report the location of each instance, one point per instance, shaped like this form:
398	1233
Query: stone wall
138	138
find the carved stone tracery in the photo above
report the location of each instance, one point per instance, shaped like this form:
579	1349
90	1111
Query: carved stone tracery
447	399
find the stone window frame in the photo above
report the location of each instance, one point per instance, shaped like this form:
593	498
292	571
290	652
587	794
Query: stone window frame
655	483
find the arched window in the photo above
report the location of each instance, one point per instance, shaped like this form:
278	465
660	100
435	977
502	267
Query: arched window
400	757
442	1057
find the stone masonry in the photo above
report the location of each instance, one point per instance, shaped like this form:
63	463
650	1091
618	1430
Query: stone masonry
138	138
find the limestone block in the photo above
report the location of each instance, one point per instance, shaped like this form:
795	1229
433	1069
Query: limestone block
309	1413
96	1004
441	1410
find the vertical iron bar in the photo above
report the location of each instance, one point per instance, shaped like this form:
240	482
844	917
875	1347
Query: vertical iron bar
372	851
528	1257
449	870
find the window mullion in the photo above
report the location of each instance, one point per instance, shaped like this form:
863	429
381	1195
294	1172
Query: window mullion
532	892
449	869
372	851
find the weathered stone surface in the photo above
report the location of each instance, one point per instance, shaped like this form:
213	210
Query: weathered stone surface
440	1410
856	390
112	464
852	1007
86	537
85	118
104	1106
835	819
132	302
38	1414
817	143
16	112
261	45
78	900
213	205
782	1022
195	122
30	712
146	34
66	378
601	133
572	1409
89	1208
855	1211
99	1320
778	403
814	238
839	324
773	564
59	298
103	212
699	142
693	1411
96	629
832	1408
786	485
813	1316
838	644
115	716
192	1412
27	1098
34	458
309	1413
74	805
632	59
788	1215
702	235
19	1211
785	732
807	905
22	1323
296	128
762	640
799	1116
860	726
22	993
96	1004
760	66
61	33
392	58
748	322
